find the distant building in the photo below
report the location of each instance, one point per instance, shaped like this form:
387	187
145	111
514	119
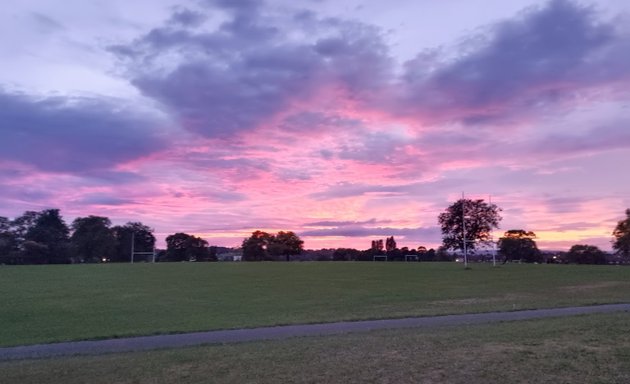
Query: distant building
230	256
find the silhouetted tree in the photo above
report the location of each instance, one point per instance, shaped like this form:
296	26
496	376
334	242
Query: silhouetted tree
621	234
46	241
264	246
390	244
520	245
424	254
255	246
442	254
185	247
346	254
586	254
377	247
143	238
285	244
479	218
93	240
22	224
395	255
8	243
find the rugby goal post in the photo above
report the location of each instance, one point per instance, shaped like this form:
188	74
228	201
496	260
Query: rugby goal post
134	253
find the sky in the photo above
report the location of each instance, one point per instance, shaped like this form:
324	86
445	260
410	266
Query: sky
343	121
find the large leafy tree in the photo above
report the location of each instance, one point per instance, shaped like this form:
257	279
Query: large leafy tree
185	247
8	243
22	224
265	246
621	234
518	244
46	241
92	239
143	240
478	217
285	244
586	254
255	246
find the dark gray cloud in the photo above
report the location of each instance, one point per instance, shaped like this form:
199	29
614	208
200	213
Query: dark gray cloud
235	5
104	199
74	135
544	56
187	18
25	193
268	68
250	70
262	64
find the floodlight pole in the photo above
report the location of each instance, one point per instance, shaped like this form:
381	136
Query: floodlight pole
464	230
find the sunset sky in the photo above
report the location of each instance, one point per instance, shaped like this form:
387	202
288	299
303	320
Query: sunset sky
344	121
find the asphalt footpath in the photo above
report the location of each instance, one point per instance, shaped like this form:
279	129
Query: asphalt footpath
144	343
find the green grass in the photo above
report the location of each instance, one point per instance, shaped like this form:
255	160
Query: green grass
55	303
583	349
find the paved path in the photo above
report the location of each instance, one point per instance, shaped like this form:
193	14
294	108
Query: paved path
144	343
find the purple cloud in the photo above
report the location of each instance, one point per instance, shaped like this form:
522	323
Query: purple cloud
524	64
420	233
249	71
73	135
187	18
314	122
561	205
343	223
342	190
103	199
603	138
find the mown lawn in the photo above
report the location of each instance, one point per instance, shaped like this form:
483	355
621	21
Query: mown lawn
583	349
41	304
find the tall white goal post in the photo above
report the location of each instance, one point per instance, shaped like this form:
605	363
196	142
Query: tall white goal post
134	253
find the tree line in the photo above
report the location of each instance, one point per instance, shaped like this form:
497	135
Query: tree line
44	238
467	225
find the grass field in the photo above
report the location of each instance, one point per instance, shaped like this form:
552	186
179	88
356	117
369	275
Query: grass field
584	349
54	303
